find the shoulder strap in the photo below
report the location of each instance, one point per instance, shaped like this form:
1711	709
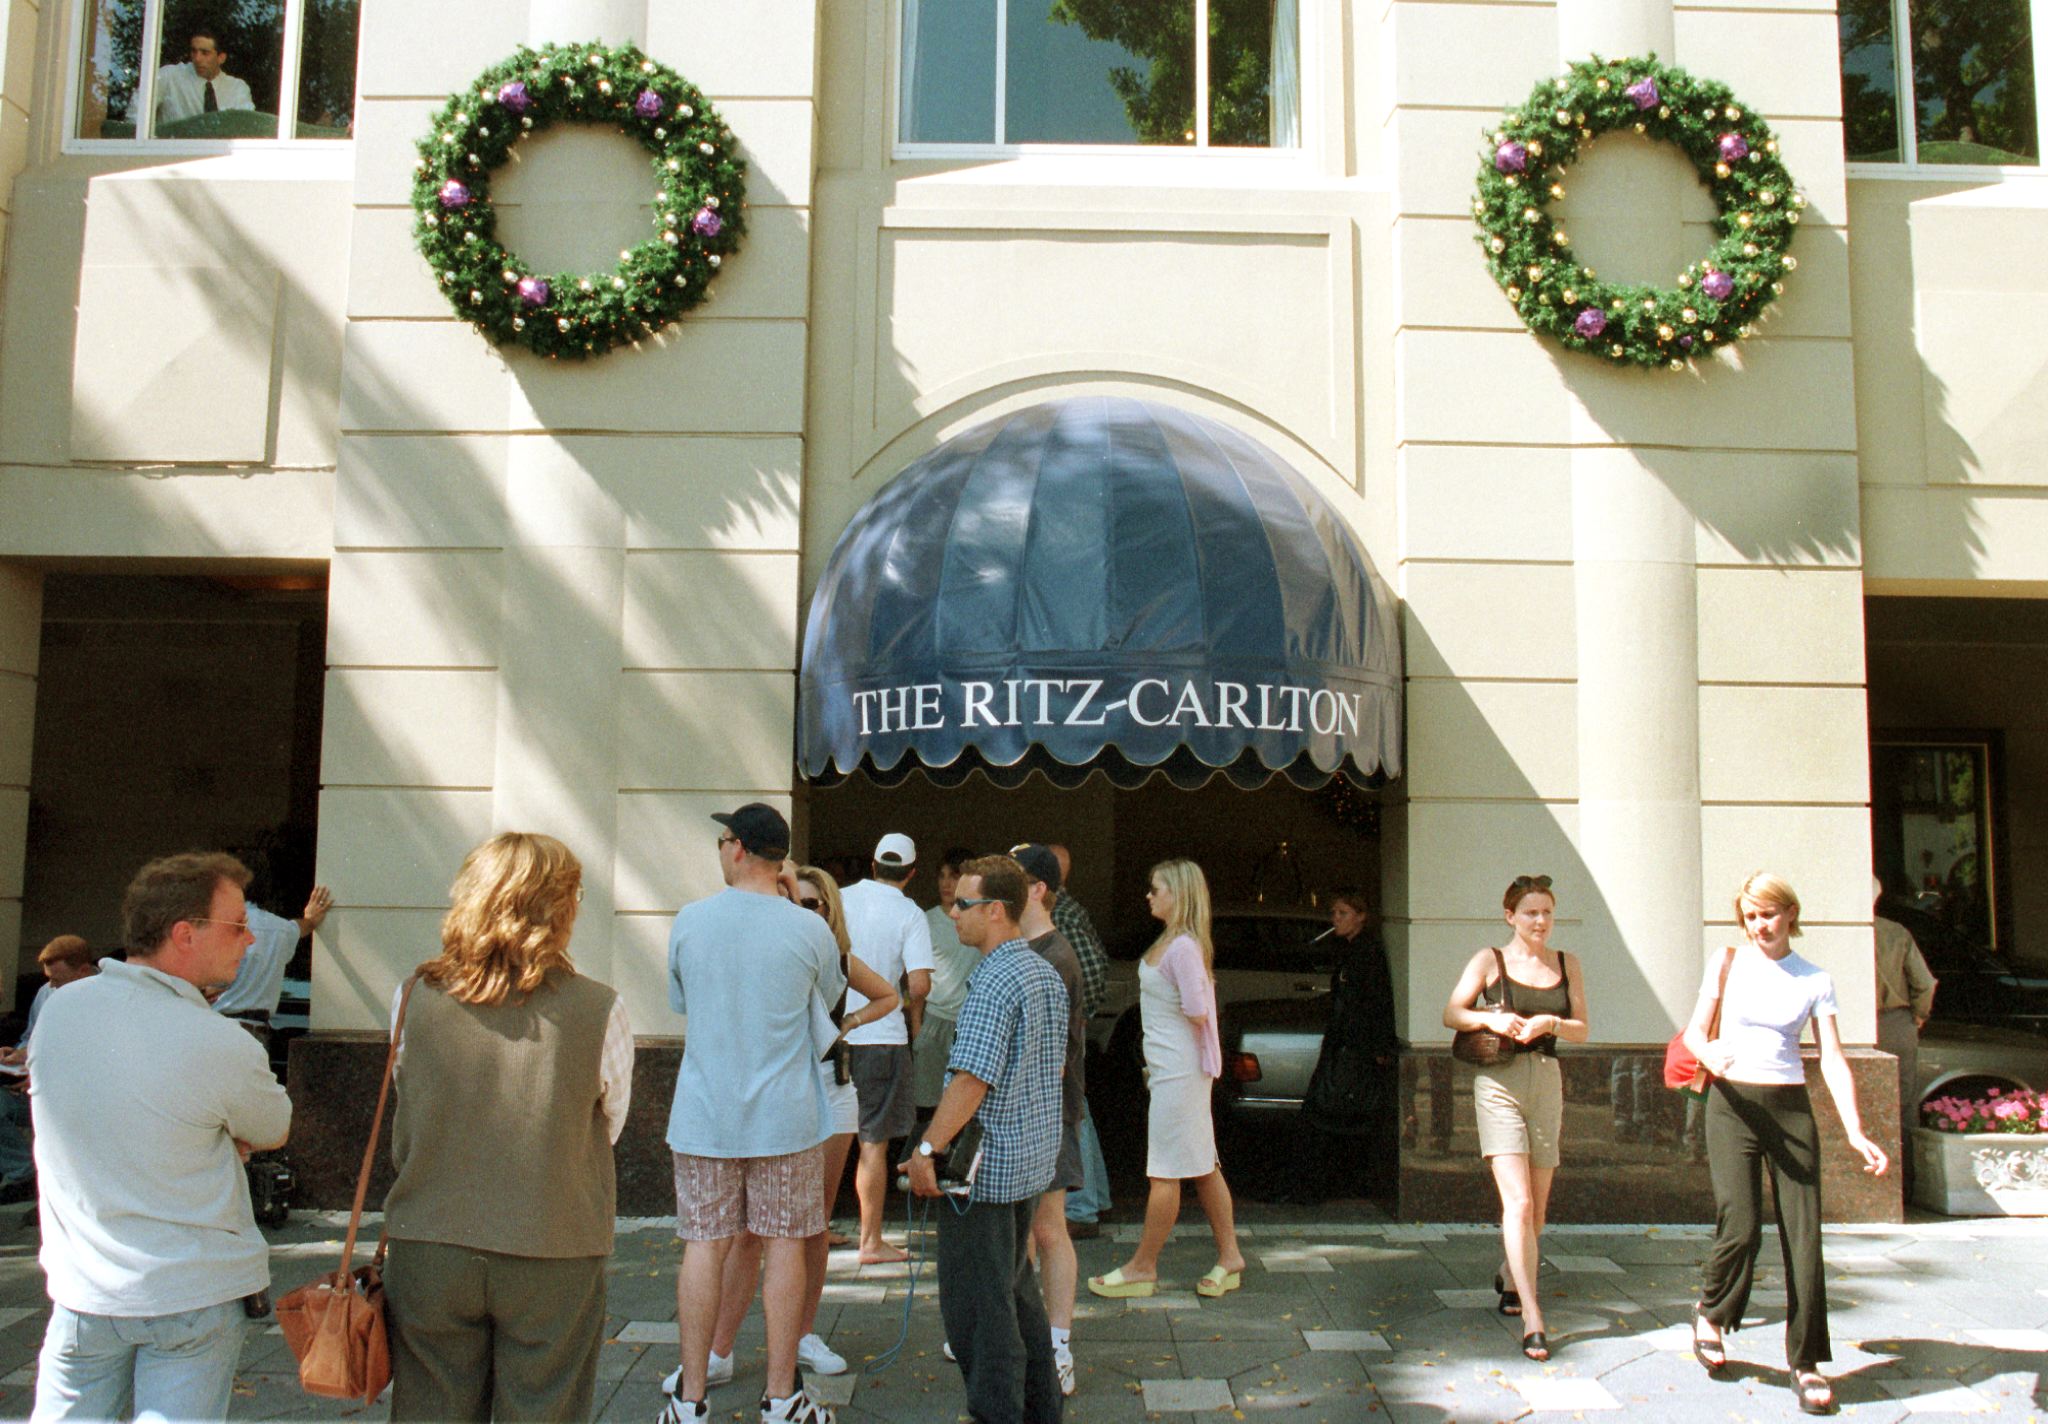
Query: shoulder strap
1720	992
1507	994
355	1216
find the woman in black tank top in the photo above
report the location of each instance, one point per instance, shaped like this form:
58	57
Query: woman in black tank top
1533	995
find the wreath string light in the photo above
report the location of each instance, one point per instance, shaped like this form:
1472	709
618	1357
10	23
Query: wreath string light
1717	299
698	210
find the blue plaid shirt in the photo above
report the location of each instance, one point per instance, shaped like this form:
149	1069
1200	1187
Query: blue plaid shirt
1013	1036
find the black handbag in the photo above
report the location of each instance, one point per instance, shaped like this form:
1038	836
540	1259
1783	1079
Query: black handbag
1482	1047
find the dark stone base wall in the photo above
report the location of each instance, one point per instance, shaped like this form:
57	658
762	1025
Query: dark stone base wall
333	1083
1633	1150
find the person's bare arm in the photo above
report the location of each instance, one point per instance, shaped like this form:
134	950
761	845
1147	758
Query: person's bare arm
1461	1011
1835	1072
881	996
957	1107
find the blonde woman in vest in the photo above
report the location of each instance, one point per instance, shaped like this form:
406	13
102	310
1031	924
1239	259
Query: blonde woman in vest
1183	1060
514	1077
815	890
1520	1102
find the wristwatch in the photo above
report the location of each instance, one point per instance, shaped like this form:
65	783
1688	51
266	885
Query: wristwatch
924	1148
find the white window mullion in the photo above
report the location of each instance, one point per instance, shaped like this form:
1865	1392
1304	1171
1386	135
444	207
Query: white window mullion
288	70
1002	70
1902	61
1201	73
145	69
2040	13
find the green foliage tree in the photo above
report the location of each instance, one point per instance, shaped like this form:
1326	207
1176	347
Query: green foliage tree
1161	101
1973	78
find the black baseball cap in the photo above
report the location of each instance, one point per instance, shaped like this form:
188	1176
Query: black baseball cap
1039	863
759	827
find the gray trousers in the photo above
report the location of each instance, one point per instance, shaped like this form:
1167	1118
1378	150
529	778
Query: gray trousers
476	1335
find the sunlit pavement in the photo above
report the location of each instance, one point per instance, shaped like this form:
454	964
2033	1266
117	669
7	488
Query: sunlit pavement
1344	1317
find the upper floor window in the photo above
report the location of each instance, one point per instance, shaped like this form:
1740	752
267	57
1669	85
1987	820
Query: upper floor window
241	69
1008	72
1939	81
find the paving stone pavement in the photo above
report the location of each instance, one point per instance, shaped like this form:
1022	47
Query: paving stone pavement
1393	1322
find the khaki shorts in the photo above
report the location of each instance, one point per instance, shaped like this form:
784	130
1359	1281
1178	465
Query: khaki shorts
1520	1107
717	1197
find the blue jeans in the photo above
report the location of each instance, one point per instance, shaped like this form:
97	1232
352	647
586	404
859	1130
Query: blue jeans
17	1163
154	1368
1092	1200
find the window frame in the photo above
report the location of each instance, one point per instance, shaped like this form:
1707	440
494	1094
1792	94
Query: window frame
290	22
1909	164
1308	20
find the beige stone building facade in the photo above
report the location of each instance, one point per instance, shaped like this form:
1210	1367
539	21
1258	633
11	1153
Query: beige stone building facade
1653	624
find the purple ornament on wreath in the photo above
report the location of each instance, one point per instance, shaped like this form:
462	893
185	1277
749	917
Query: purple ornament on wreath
1734	148
1592	321
1717	285
1511	157
454	194
515	97
647	104
707	223
534	291
1644	93
1685	342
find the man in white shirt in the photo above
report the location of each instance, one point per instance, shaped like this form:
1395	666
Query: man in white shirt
259	983
891	937
145	1103
199	87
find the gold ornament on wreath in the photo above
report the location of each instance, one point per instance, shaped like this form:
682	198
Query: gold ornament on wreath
1716	300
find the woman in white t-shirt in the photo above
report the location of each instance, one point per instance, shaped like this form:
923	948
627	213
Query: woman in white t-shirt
1758	1116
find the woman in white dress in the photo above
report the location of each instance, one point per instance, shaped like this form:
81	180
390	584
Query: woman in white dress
814	889
1183	1060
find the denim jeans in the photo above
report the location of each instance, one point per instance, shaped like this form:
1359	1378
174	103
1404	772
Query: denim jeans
155	1368
1092	1200
17	1163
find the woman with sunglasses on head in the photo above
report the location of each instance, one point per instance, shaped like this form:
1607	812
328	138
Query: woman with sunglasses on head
1759	1114
814	889
1533	994
1183	1060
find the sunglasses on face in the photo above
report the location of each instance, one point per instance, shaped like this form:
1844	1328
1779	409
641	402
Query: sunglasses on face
811	902
963	906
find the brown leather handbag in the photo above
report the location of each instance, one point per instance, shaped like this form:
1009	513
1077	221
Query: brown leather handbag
335	1325
1482	1047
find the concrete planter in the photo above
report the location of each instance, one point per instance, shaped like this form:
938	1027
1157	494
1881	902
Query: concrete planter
1980	1173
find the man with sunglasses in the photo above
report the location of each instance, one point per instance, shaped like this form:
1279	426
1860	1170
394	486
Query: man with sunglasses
1006	1062
146	1101
756	975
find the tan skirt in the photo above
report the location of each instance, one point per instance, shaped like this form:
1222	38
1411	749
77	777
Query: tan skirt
1520	1107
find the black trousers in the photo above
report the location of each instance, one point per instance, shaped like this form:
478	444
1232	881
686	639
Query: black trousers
994	1313
1751	1126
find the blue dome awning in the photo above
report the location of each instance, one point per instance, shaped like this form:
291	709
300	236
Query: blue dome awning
1101	584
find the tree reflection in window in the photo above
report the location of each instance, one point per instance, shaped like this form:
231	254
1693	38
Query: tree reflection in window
1973	81
1160	100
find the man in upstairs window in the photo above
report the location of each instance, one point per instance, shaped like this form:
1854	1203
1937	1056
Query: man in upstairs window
199	87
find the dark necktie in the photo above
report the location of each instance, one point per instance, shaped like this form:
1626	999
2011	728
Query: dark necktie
212	105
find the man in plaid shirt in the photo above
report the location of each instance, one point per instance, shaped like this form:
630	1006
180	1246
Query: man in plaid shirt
1007	1058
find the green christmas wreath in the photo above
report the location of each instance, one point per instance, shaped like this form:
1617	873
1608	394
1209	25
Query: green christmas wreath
699	211
1716	299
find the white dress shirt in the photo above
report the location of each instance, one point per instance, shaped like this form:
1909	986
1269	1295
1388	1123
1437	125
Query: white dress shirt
259	983
181	93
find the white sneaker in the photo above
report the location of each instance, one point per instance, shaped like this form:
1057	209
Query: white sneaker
676	1411
817	1357
717	1371
1063	1361
799	1408
946	1349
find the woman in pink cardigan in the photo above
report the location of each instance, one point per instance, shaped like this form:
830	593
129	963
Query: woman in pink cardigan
1183	1060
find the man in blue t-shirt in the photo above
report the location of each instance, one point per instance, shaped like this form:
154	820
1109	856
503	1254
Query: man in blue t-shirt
756	977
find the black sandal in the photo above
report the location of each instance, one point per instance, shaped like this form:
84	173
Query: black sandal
1712	1354
1510	1300
1536	1346
1815	1394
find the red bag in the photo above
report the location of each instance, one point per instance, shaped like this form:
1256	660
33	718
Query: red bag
1682	1069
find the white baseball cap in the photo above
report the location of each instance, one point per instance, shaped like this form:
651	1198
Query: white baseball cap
895	849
